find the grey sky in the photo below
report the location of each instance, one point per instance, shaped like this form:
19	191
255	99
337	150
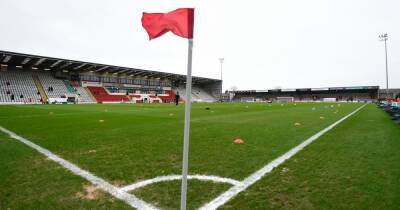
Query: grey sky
286	43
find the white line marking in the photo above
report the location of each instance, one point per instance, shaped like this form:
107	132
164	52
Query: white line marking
70	114
179	177
99	182
250	180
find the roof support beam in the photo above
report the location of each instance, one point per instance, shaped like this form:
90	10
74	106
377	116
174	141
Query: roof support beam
7	58
41	60
165	76
141	72
123	71
150	74
55	63
65	65
26	60
91	67
114	69
101	69
80	66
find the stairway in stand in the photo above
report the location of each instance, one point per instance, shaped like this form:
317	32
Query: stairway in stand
39	86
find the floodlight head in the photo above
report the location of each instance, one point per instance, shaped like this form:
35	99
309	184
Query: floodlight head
221	60
383	37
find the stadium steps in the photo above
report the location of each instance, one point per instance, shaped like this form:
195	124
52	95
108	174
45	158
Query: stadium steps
40	88
90	95
69	86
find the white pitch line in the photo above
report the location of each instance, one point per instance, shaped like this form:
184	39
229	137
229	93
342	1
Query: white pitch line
179	177
99	182
250	180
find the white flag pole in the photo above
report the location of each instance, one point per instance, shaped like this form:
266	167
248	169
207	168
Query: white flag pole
188	104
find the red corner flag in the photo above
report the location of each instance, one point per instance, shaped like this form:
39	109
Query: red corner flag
180	22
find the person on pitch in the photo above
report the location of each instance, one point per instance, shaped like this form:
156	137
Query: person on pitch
177	98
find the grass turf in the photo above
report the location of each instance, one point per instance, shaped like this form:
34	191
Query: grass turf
30	181
126	143
167	194
354	166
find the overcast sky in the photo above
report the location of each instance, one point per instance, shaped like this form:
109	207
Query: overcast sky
266	44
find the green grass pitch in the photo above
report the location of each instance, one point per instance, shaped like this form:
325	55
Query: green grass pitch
353	166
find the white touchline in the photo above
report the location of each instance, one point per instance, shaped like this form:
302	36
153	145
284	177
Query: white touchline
179	177
250	180
99	182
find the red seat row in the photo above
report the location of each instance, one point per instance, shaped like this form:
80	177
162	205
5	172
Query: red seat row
170	98
102	95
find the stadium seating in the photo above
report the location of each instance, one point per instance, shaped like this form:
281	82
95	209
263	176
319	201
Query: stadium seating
102	95
392	107
136	98
80	92
59	90
181	91
202	95
170	98
69	87
155	99
83	96
18	83
198	95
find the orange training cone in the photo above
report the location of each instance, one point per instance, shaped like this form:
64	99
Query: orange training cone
238	141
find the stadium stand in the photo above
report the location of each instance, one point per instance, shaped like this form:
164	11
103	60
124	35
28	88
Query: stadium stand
169	98
83	96
102	95
81	93
154	99
69	87
198	95
202	95
390	93
136	98
70	81
392	107
181	91
18	87
54	88
360	93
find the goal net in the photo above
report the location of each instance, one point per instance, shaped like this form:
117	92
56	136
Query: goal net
285	99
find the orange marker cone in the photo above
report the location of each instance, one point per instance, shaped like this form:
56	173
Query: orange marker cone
238	141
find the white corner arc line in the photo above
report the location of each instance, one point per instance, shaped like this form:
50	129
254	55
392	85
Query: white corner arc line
179	177
99	182
253	178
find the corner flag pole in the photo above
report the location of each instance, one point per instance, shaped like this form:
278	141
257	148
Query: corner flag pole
188	104
181	23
